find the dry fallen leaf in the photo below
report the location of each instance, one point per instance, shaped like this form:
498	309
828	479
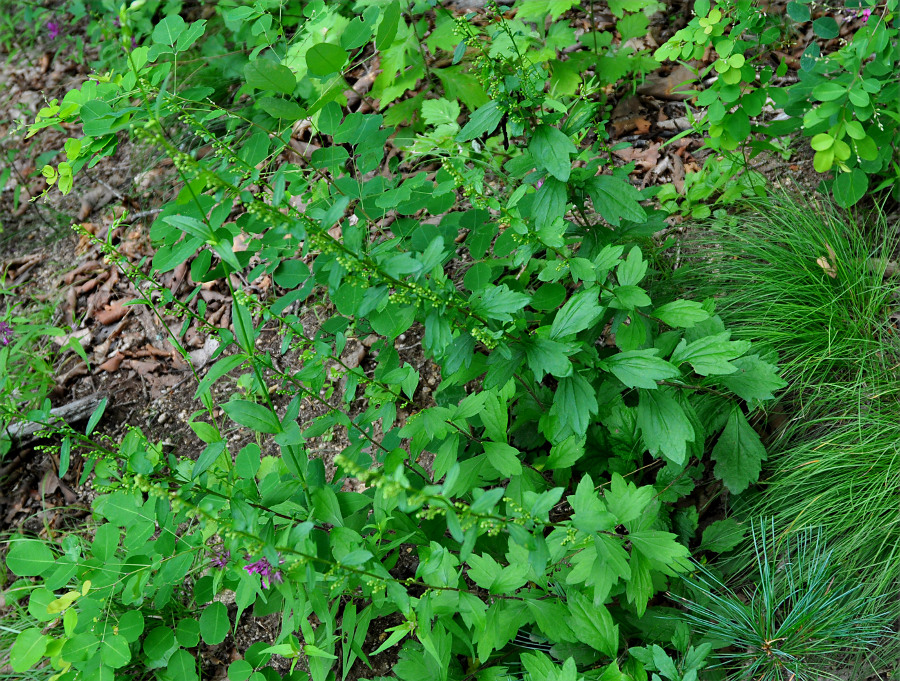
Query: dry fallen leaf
826	264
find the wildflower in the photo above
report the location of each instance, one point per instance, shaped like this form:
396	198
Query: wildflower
865	14
220	559
267	573
117	23
52	29
6	333
540	183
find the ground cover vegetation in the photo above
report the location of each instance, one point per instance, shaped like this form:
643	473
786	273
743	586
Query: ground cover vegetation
555	508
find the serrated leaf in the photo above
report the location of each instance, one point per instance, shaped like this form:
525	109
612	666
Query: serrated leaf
738	454
627	501
503	457
754	379
632	270
681	313
484	121
710	354
551	148
640	368
592	624
662	550
615	199
574	403
549	357
498	302
581	311
723	535
664	426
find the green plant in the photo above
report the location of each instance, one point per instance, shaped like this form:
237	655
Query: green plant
846	101
26	358
535	489
14	619
724	177
812	284
800	616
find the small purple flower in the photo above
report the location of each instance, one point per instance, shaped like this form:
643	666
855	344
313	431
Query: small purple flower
540	183
117	23
266	572
52	29
219	559
6	333
865	14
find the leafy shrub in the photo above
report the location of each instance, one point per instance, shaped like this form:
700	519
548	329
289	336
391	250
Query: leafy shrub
845	101
572	413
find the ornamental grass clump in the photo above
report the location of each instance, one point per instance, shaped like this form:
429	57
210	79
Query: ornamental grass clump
810	283
797	617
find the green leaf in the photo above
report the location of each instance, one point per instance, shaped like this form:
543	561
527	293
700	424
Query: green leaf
498	302
581	311
664	426
387	29
681	313
190	36
549	203
264	74
484	121
662	550
96	416
615	199
564	454
828	91
640	368
114	651
632	25
503	457
214	623
495	417
626	500
738	454
592	624
632	270
488	574
393	320
722	535
629	298
826	27
440	112
549	357
166	32
282	108
28	649
798	12
754	379
252	415
29	558
323	59
850	187
551	148
710	354
574	403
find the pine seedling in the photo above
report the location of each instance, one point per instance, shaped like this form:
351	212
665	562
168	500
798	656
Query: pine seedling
796	621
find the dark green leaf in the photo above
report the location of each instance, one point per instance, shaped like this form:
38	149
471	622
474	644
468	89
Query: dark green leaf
252	415
387	29
826	27
664	426
615	199
723	535
710	354
580	312
484	121
850	187
166	32
681	313
798	12
640	368
738	454
281	108
754	379
550	148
